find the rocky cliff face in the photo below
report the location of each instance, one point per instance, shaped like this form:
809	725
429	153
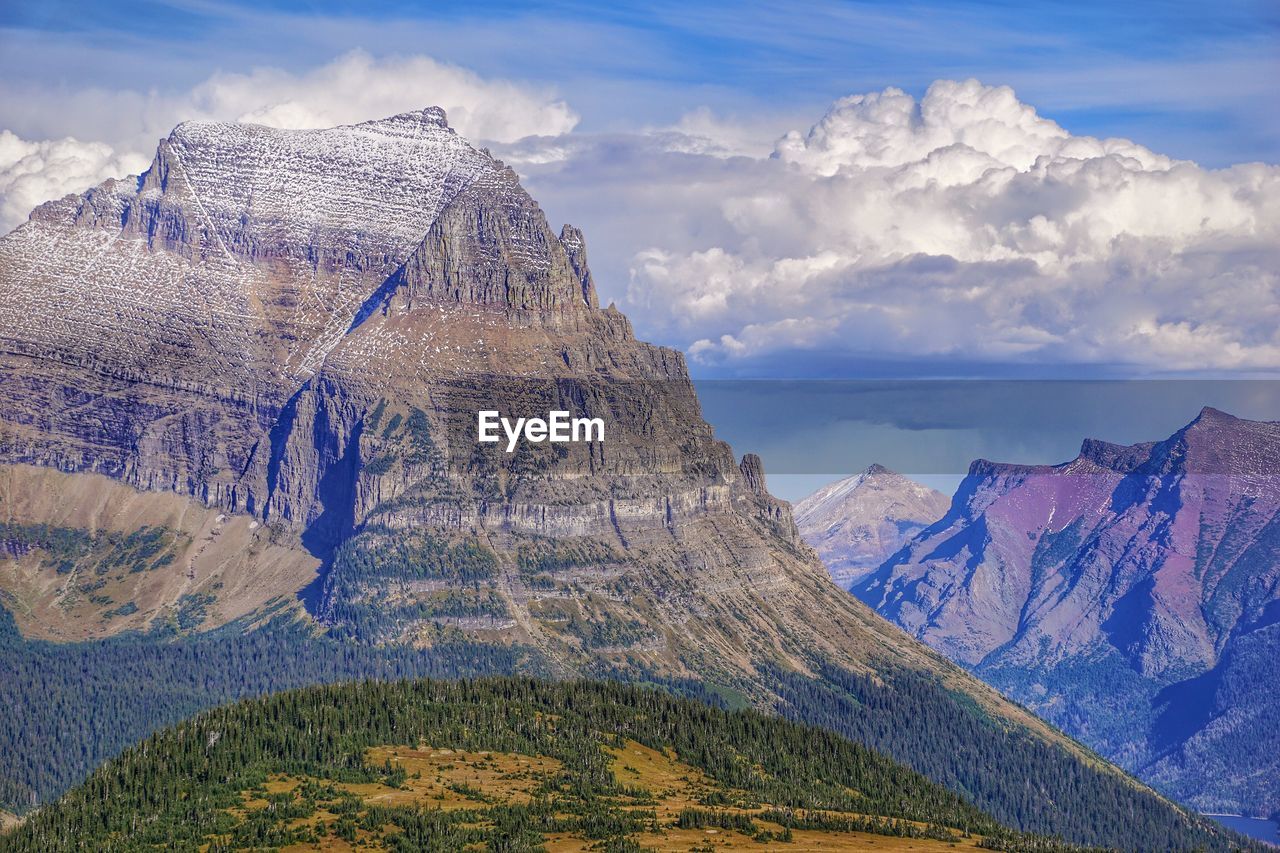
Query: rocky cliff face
855	524
187	305
301	326
1132	595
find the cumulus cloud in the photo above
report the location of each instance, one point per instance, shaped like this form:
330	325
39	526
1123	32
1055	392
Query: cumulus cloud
354	87
964	225
34	172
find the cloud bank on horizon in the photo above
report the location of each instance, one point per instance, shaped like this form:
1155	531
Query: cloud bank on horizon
960	225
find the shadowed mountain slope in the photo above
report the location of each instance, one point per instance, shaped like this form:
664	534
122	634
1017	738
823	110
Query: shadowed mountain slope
1132	596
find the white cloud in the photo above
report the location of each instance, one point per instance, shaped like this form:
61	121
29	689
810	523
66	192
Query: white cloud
34	172
965	225
354	87
701	131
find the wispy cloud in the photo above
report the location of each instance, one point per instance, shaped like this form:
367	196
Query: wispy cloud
1145	70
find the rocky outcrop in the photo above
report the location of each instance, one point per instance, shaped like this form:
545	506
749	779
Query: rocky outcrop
153	329
1130	595
855	524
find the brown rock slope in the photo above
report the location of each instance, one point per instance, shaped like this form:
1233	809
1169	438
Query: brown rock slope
83	556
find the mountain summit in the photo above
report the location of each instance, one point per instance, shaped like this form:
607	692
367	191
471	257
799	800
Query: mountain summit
856	523
280	341
1131	595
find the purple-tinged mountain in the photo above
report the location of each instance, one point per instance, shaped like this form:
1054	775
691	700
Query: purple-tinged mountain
857	523
1132	596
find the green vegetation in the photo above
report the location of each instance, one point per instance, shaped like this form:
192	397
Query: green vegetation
412	434
392	425
67	549
127	609
1021	780
833	822
194	784
193	610
1012	842
379	552
375	417
608	630
380	464
455	578
417	430
70	707
537	556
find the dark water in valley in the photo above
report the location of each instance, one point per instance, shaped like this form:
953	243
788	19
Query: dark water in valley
1254	827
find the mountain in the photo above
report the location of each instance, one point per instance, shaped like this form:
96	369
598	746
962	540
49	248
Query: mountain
511	764
300	327
855	524
1131	596
274	347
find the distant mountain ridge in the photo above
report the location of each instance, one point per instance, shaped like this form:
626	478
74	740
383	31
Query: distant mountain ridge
855	524
1131	595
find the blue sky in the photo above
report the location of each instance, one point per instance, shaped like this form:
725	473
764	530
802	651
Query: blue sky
1185	78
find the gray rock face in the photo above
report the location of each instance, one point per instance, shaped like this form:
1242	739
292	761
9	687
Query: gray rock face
857	523
1131	595
189	304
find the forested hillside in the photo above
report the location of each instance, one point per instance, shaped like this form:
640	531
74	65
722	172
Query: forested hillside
500	764
73	706
70	707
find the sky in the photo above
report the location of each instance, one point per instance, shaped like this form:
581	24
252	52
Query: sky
812	432
1190	79
826	190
